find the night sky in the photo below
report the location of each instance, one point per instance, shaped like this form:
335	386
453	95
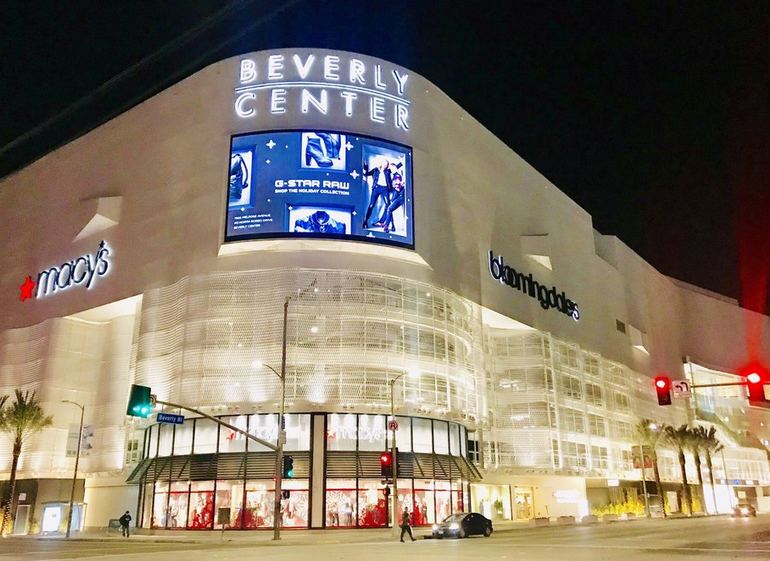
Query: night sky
653	116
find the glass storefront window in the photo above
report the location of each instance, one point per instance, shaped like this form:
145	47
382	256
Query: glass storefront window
166	438
372	504
371	432
159	510
152	443
264	427
205	436
230	440
463	441
229	496
424	508
296	508
297	432
183	439
454	439
258	511
341	432
177	505
443	500
440	437
340	503
201	512
404	434
405	498
422	435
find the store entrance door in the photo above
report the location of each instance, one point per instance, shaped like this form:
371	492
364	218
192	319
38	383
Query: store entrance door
523	503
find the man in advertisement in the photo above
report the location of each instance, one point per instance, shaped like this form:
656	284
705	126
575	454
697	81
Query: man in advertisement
396	201
382	185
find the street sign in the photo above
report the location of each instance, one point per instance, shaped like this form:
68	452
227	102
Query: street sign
170	418
681	389
392	425
282	437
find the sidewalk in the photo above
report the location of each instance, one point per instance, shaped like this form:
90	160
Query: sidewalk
299	536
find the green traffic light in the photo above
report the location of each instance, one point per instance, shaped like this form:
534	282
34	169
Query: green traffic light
139	401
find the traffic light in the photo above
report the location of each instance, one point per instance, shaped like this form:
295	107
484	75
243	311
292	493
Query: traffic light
386	464
288	467
139	401
756	377
663	389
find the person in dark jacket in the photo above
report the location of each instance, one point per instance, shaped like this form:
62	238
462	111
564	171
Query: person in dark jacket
396	200
406	527
125	520
382	185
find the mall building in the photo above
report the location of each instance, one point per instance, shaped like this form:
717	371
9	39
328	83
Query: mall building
415	251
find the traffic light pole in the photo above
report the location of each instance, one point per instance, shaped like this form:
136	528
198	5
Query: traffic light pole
394	455
220	422
277	510
75	473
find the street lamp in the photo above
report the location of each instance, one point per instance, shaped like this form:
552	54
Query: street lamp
277	512
393	453
75	472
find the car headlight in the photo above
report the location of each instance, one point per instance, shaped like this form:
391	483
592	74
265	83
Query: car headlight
454	526
435	527
744	511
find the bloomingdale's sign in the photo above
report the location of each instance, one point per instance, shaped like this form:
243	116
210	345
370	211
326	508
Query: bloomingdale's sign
81	271
329	84
548	297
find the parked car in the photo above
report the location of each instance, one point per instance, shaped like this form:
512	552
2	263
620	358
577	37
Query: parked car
742	510
463	524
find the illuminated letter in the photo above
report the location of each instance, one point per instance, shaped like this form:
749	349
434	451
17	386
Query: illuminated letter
349	97
46	281
303	69
378	83
377	109
277	99
400	81
240	101
248	71
274	67
78	277
60	282
322	105
402	114
331	67
357	69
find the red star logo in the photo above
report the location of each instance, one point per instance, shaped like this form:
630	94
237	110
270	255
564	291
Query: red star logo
27	288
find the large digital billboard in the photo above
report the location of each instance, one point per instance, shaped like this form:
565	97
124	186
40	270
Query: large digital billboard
319	184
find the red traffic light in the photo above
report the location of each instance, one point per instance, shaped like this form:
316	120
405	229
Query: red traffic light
753	378
386	464
663	389
757	377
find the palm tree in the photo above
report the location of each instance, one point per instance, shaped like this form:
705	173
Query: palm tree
648	433
711	445
679	438
23	418
696	445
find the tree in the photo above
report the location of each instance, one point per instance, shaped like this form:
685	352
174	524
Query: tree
680	438
711	446
22	418
696	445
649	433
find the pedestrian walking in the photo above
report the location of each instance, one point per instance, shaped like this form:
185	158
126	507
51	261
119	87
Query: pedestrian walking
406	527
125	520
